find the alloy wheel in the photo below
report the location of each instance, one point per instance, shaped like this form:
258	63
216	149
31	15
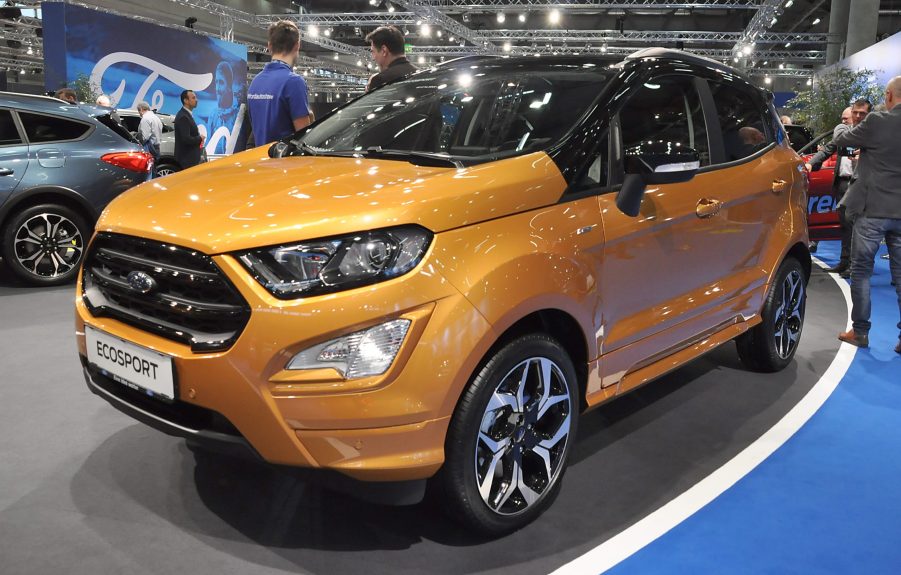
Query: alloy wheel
523	436
789	317
48	245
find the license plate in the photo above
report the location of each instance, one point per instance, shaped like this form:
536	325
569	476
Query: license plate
137	367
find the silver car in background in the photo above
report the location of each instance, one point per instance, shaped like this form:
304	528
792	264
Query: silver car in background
60	164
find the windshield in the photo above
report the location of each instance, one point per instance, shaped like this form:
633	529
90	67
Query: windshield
465	111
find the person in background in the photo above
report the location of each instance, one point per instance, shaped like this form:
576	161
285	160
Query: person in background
150	130
226	111
786	120
875	200
66	95
277	98
840	181
104	101
188	141
386	44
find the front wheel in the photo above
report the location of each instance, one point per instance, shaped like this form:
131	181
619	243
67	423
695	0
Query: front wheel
771	345
166	168
510	437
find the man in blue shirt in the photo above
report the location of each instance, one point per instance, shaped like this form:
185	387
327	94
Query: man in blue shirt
277	98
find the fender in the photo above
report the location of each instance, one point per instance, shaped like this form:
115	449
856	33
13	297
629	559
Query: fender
49	194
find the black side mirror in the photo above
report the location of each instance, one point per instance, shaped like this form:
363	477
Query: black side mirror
654	163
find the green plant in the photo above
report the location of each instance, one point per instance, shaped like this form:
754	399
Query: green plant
84	89
820	107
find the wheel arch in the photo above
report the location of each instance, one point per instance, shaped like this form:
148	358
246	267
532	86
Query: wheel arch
48	195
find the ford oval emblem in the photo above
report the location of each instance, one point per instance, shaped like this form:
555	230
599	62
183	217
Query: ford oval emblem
141	282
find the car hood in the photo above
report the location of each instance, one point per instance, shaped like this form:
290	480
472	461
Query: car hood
250	200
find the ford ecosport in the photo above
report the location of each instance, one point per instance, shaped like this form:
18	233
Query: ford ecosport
437	279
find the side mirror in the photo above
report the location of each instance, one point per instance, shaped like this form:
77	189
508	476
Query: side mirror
654	163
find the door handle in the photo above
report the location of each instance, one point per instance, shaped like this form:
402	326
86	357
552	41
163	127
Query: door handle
708	207
778	186
6	172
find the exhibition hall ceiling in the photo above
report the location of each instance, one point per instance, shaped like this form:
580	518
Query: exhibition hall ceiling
764	37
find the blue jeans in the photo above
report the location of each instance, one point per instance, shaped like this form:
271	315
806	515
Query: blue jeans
868	234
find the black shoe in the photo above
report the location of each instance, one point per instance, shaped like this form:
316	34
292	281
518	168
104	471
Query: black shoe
845	275
838	268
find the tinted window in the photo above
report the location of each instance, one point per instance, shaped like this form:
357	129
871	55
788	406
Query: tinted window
115	126
666	109
469	111
8	132
742	121
40	128
131	122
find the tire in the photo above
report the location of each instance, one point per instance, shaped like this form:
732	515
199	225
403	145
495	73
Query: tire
771	345
512	435
45	244
166	168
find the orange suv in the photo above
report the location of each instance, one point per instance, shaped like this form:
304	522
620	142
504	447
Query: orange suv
437	279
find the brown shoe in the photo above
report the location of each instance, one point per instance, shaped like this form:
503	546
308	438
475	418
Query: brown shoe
858	339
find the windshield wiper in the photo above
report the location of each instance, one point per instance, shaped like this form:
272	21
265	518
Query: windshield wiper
417	158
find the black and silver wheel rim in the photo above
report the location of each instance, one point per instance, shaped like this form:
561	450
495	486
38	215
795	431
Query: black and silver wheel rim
48	245
164	172
521	447
789	316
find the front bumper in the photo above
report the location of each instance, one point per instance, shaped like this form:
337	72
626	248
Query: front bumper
385	428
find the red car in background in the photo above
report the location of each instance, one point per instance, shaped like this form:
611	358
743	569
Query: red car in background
822	217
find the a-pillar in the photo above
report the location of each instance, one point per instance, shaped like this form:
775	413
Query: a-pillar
862	20
838	30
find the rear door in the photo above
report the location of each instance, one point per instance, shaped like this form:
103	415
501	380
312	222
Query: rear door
13	155
47	137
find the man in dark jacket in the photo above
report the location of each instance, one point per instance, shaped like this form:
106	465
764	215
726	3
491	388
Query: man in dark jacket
188	141
876	197
386	44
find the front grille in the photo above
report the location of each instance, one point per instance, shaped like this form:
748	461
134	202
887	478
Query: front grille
188	299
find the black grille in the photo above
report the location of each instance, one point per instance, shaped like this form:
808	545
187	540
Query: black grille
190	300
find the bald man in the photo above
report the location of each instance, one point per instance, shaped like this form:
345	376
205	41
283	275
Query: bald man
841	179
877	200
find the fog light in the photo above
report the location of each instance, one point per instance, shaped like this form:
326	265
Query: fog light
360	354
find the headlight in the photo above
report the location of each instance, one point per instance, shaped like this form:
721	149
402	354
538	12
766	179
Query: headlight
360	354
335	264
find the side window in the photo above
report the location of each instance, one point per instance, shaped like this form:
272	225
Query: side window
40	128
666	109
742	120
8	132
131	122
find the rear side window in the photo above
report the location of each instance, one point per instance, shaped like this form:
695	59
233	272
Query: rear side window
115	126
41	128
131	122
666	109
9	134
742	121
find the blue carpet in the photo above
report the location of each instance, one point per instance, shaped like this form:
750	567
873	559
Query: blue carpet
828	500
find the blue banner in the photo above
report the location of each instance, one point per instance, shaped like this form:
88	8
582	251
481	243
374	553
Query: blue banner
131	61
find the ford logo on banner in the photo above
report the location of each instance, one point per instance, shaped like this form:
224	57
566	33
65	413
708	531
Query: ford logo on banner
141	282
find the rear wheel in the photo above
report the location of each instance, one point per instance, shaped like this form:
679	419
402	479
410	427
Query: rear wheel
771	345
510	437
44	245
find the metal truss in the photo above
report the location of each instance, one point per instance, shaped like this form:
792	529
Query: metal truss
457	6
433	15
648	37
791	72
336	19
767	12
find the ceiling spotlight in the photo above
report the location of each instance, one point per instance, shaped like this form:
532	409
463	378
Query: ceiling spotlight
782	66
336	55
789	3
328	32
390	7
506	46
773	21
313	30
373	2
604	47
501	17
425	31
522	17
30	51
735	59
554	16
809	81
438	33
788	44
452	39
746	50
421	60
360	63
767	80
816	21
765	62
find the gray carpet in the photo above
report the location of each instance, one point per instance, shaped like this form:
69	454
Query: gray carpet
85	489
